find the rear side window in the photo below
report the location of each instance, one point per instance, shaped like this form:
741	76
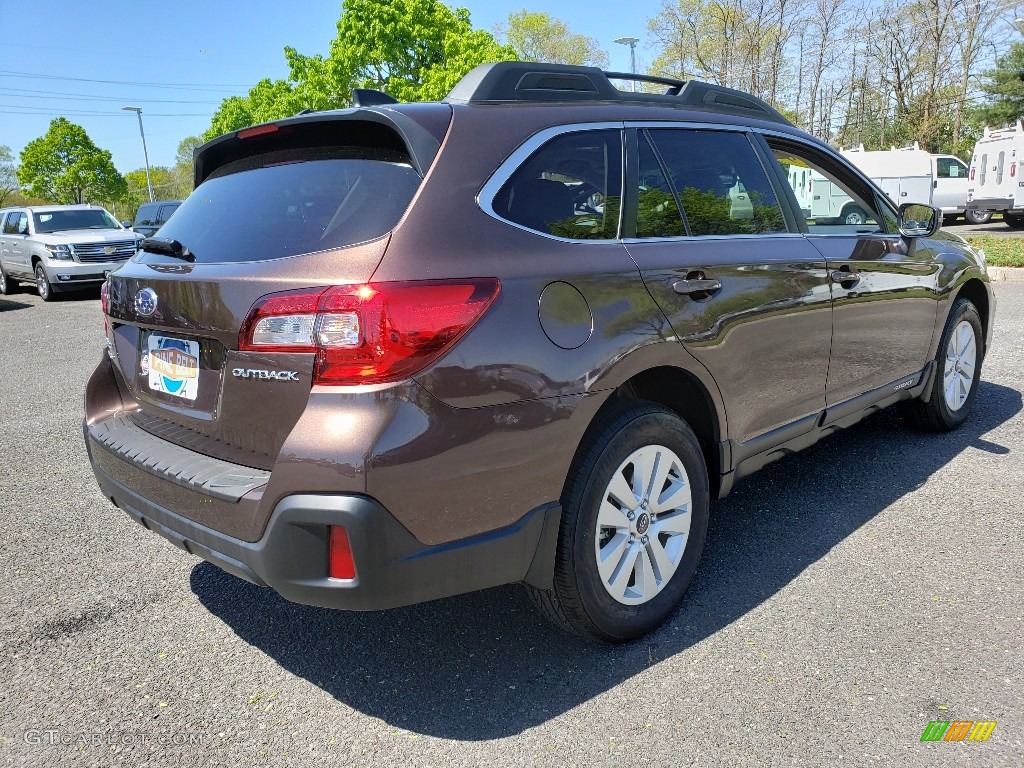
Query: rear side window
570	187
16	224
713	177
294	201
166	211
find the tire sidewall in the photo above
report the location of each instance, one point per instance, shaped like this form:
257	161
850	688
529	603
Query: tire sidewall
611	618
962	310
46	294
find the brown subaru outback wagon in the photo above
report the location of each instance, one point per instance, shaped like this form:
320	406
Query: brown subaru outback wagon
398	352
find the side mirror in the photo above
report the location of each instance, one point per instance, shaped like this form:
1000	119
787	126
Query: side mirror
918	220
126	224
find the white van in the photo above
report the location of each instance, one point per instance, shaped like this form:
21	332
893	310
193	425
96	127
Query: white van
995	184
911	175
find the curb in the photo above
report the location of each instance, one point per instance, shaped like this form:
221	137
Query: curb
1006	274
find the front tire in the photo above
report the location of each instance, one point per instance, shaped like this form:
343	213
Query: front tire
634	519
957	375
43	283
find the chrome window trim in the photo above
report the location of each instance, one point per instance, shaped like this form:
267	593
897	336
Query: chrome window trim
485	197
691	238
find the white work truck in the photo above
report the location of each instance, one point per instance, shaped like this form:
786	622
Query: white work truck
911	175
908	175
995	179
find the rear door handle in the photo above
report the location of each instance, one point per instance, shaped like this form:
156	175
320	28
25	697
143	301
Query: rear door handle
705	285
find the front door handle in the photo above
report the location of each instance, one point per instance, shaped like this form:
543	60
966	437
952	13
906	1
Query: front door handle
704	285
845	278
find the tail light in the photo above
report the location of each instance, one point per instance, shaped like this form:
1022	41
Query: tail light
105	305
972	173
368	334
1013	170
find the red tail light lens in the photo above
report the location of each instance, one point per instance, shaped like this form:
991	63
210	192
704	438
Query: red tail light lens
105	305
368	334
972	173
1013	170
340	562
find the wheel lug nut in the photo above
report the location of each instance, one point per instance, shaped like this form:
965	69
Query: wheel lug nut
643	540
630	515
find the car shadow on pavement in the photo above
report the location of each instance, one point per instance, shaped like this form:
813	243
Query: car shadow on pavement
486	665
9	305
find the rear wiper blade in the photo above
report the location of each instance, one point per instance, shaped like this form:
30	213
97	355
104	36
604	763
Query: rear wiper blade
169	246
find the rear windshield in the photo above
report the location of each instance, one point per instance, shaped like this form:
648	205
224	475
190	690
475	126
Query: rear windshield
292	202
57	221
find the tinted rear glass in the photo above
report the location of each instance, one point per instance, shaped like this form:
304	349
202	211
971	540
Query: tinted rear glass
292	202
56	221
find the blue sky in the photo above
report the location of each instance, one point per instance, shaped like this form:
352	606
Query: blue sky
178	60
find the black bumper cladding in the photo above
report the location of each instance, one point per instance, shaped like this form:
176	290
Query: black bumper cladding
393	568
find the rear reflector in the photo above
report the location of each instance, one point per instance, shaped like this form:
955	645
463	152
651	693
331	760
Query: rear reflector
341	564
368	334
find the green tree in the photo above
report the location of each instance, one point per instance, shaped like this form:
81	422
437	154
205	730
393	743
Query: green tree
8	174
65	166
537	36
415	50
1004	89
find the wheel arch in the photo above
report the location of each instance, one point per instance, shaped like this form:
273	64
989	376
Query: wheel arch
684	393
974	290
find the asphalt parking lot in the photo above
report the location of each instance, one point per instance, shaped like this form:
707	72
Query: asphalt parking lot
997	228
847	597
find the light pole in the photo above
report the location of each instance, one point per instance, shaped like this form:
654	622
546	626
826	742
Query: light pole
145	152
631	42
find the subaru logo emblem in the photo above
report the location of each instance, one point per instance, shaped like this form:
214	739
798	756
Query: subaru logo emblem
145	302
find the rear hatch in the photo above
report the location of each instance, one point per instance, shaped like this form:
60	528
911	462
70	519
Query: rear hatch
307	203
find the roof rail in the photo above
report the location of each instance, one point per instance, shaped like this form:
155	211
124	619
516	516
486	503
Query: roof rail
508	81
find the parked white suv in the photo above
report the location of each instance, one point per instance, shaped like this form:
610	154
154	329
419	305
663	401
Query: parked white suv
61	247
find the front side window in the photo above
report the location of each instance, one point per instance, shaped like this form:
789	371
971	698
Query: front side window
570	187
950	168
832	200
712	180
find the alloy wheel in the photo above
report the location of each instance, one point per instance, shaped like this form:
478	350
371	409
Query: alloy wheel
643	524
961	360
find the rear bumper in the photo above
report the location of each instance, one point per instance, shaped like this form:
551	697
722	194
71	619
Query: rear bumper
991	204
393	568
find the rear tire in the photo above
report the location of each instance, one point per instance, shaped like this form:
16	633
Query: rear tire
1014	220
7	285
957	374
978	217
634	519
853	215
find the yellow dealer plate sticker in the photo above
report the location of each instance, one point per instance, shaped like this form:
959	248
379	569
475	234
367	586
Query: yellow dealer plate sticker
174	366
